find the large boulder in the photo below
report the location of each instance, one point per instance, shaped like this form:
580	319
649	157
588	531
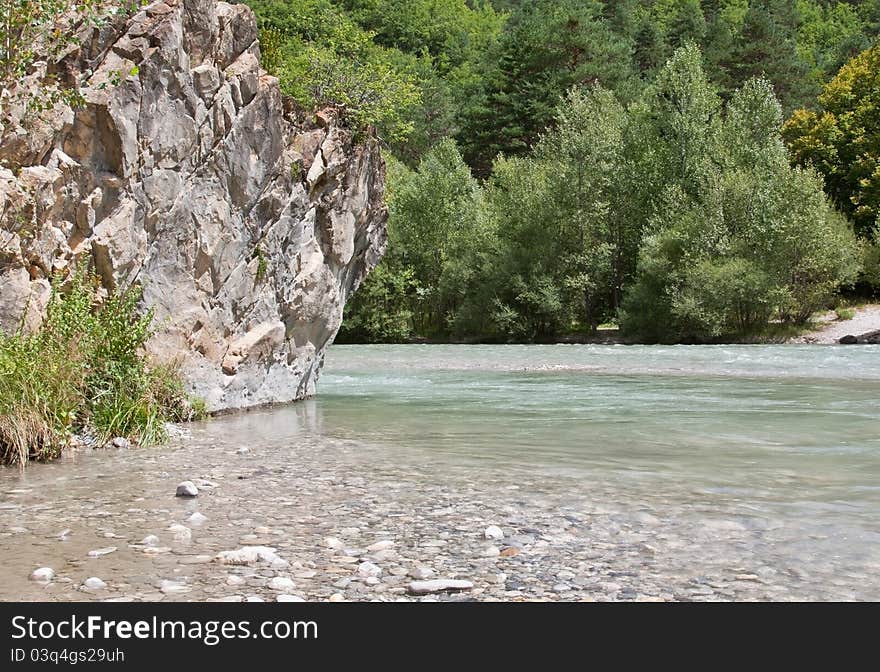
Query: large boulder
247	222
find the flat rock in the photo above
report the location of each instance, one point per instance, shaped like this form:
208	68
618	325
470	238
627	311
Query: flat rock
98	552
439	586
284	597
247	555
383	545
281	583
366	569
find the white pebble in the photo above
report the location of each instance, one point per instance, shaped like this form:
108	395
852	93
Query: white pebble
289	598
43	574
493	532
94	583
281	583
369	569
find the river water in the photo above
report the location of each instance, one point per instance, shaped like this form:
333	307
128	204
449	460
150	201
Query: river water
614	472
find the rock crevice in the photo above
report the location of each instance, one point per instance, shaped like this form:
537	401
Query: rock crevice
247	223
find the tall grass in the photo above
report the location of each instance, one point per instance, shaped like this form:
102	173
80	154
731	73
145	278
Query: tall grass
85	371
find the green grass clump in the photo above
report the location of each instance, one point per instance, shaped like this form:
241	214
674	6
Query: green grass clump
85	371
845	313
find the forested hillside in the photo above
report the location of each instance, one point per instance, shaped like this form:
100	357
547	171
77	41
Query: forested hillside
558	164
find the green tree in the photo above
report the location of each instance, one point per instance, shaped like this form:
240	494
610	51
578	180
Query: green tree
758	241
545	48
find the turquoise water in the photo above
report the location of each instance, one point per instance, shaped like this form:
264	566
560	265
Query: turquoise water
736	418
778	443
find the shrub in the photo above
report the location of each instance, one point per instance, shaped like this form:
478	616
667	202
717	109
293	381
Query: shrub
85	371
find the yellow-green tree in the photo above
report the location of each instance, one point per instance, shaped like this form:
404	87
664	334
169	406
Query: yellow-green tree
842	139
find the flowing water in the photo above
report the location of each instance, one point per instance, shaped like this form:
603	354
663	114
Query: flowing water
615	472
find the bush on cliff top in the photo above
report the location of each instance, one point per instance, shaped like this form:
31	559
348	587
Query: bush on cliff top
84	371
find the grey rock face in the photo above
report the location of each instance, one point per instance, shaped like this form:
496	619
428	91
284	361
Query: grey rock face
247	223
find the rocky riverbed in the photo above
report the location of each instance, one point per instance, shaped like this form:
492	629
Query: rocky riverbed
324	519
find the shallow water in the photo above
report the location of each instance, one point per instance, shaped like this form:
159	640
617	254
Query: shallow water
616	472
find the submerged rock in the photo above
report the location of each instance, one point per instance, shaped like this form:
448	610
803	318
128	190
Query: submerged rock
248	555
187	489
43	574
98	552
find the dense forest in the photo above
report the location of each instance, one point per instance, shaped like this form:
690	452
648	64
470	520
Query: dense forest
690	170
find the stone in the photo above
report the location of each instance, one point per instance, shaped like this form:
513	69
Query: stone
121	443
337	597
234	580
171	587
180	532
247	555
509	552
187	489
383	545
334	543
94	583
366	569
243	451
150	540
197	518
289	598
372	580
849	339
247	244
493	532
98	552
281	583
43	574
491	552
254	598
438	586
422	573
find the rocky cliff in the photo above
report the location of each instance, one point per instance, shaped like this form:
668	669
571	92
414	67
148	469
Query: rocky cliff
247	223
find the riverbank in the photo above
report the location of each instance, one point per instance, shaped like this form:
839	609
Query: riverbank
828	329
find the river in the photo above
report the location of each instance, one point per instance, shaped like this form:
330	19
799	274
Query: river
613	473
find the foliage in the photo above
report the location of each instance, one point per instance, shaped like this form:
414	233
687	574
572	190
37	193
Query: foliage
757	242
842	139
435	237
32	31
627	154
380	310
84	371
